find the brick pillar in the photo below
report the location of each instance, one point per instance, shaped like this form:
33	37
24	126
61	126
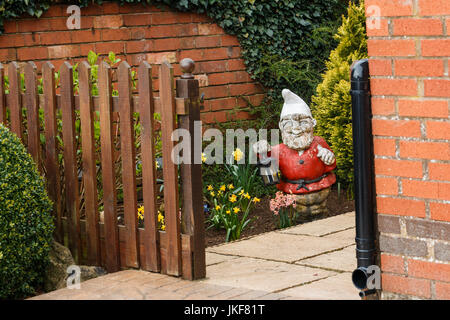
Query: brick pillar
409	49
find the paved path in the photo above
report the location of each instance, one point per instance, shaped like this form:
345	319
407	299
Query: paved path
309	261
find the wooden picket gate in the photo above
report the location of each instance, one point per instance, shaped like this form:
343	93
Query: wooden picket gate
177	251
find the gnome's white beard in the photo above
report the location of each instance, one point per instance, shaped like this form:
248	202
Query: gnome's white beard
300	141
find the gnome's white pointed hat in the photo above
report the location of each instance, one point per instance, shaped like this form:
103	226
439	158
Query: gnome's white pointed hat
293	104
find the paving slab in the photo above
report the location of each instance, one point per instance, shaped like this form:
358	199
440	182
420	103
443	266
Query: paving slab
127	275
207	291
338	287
163	295
347	236
126	292
280	247
180	285
273	296
341	260
214	258
229	295
309	261
251	295
263	275
323	227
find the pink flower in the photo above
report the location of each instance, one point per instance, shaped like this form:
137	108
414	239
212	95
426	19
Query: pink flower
280	201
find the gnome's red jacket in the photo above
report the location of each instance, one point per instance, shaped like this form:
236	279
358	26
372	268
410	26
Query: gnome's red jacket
307	167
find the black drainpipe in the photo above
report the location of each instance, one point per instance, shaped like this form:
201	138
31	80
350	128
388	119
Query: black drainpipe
363	172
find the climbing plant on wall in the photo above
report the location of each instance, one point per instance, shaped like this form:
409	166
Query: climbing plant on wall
284	42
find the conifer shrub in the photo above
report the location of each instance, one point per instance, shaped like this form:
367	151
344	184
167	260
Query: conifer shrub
331	105
26	225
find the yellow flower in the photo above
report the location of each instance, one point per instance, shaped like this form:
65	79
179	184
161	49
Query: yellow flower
210	188
204	158
217	207
247	196
156	164
219	193
255	199
237	154
236	210
222	188
160	217
228	212
163	227
233	198
230	186
241	192
212	193
141	213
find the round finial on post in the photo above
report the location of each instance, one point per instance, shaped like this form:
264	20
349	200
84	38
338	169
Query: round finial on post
187	66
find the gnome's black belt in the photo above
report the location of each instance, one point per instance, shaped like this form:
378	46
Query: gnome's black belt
302	183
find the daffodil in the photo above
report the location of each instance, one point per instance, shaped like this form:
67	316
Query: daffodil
222	188
230	186
241	192
212	193
210	188
255	199
204	157
160	217
156	164
228	212
217	207
233	198
236	210
163	227
237	154
247	196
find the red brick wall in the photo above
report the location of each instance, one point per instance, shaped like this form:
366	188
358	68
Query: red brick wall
409	66
136	33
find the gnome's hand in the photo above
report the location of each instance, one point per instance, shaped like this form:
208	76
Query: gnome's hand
327	156
261	146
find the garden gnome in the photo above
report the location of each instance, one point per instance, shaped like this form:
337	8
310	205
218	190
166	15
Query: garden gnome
305	161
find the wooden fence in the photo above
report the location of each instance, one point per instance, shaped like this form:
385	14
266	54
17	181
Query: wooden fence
76	172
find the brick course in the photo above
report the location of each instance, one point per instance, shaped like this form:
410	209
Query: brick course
409	67
136	33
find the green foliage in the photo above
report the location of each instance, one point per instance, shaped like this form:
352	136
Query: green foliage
300	74
13	9
284	42
92	59
331	105
243	173
230	207
26	225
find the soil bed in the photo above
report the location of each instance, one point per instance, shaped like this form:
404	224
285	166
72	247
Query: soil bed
265	221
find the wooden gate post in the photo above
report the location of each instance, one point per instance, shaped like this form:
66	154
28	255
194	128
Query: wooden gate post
193	227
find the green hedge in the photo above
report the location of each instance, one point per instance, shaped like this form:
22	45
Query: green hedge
26	225
332	103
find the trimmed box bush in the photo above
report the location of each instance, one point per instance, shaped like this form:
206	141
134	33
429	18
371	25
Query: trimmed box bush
26	224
